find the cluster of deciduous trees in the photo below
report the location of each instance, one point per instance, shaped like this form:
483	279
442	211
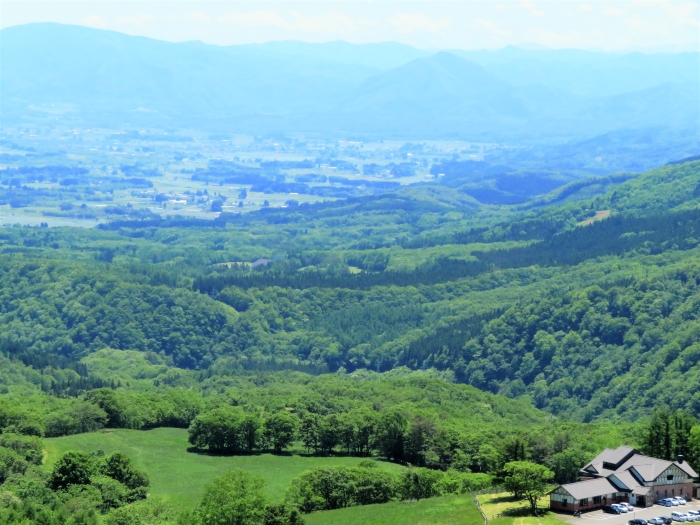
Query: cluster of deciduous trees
79	487
238	498
229	430
358	432
338	487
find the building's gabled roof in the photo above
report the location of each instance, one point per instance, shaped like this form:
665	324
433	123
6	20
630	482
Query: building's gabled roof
590	488
624	480
642	491
609	460
650	468
686	468
646	468
596	469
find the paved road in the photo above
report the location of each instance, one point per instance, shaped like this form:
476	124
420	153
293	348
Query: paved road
598	516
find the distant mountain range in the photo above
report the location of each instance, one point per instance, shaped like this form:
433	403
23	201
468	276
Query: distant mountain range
388	89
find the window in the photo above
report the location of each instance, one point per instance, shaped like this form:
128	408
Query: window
669	477
584	502
596	500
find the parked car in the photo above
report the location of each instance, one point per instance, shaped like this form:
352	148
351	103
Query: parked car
638	521
665	502
678	516
656	521
681	501
611	509
622	508
694	513
690	516
674	501
629	507
667	520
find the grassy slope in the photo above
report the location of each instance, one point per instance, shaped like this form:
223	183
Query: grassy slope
548	519
179	476
447	510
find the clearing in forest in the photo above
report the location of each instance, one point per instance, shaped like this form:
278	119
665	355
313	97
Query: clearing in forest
599	216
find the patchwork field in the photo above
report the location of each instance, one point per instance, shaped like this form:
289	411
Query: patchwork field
180	476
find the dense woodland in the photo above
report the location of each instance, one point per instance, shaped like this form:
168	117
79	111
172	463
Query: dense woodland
408	327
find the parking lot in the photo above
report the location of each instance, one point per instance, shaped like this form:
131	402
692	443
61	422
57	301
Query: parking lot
590	518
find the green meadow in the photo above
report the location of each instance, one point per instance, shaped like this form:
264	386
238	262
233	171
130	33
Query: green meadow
446	510
179	476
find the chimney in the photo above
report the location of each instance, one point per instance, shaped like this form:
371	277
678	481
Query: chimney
679	458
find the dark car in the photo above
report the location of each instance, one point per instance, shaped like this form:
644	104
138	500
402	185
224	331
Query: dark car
611	510
667	520
638	521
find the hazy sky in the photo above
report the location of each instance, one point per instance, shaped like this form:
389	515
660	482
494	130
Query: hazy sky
465	24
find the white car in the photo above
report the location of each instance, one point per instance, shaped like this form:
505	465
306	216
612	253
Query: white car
629	507
692	516
681	501
678	516
674	502
623	508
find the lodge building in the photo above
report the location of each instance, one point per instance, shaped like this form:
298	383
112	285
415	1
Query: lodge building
624	475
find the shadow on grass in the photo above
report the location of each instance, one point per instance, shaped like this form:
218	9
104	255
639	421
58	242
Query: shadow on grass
521	512
223	453
503	499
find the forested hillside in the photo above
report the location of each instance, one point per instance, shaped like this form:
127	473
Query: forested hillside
585	321
415	327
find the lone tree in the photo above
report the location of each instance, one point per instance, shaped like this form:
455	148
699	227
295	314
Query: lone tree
531	480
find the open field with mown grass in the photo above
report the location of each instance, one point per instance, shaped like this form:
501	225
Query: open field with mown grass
446	510
179	476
